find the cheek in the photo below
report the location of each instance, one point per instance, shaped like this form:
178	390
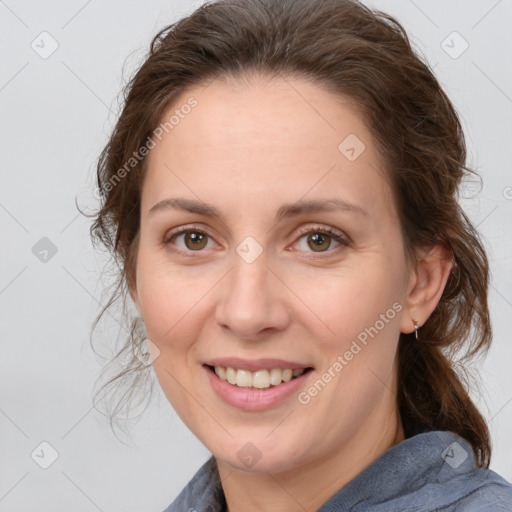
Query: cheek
351	299
361	307
170	301
173	314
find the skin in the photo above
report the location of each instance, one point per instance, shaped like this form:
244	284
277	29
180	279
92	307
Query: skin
248	148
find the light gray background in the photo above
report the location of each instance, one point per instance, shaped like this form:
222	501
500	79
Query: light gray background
56	114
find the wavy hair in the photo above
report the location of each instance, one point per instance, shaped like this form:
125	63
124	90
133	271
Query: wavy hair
362	55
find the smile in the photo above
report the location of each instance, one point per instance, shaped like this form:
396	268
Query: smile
261	379
249	397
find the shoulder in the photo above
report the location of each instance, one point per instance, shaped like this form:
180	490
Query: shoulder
202	493
460	485
430	472
484	490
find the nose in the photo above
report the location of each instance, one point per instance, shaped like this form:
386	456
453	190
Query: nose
252	300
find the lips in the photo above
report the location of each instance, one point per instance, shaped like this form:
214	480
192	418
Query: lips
256	364
250	398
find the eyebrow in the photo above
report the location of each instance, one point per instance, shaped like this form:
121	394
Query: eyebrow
286	210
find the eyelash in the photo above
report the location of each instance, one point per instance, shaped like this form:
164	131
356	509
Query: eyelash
344	241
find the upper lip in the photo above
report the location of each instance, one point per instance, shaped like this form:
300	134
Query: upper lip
255	364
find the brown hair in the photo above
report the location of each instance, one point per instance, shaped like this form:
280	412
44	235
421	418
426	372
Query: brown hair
363	55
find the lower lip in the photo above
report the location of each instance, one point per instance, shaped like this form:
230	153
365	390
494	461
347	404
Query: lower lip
252	399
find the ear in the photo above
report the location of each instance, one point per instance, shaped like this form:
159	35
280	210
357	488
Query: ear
426	284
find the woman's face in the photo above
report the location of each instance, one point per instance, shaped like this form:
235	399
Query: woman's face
262	169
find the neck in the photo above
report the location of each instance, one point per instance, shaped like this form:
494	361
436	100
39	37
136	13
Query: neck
309	486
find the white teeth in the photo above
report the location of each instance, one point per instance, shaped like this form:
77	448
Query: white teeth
231	375
221	372
287	375
275	376
261	379
243	378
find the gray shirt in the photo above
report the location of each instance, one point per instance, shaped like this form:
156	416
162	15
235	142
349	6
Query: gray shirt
433	471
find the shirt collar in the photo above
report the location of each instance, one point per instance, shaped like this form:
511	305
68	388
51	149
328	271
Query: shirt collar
430	468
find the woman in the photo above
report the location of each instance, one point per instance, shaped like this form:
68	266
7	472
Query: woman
280	189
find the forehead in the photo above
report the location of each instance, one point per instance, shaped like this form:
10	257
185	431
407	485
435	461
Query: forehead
276	140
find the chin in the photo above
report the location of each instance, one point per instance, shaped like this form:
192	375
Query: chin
256	456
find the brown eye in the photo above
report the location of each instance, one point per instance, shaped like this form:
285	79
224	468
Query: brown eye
319	242
193	240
